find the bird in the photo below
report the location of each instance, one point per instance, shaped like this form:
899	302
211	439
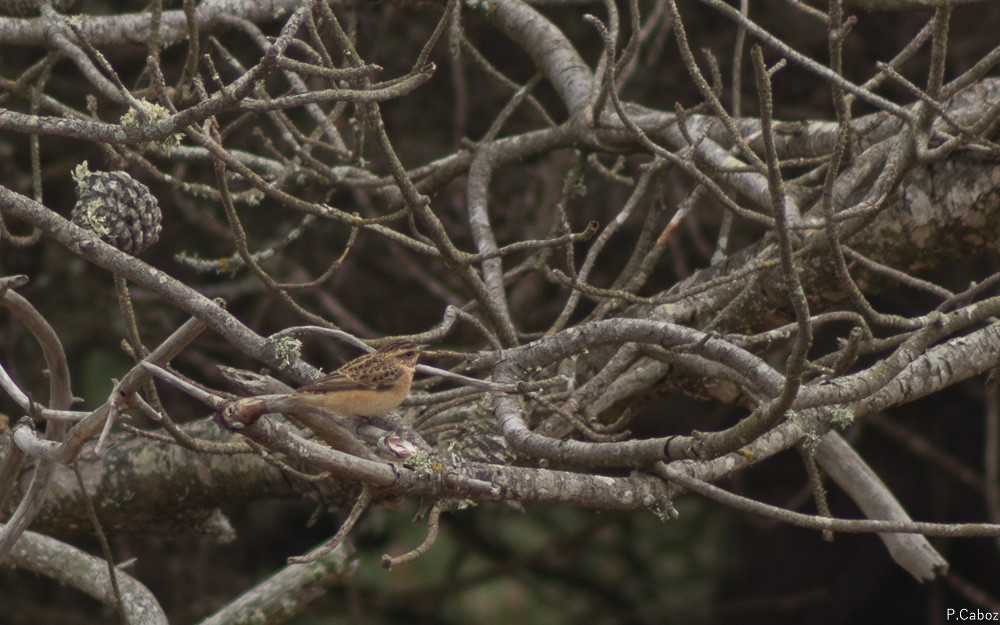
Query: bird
371	385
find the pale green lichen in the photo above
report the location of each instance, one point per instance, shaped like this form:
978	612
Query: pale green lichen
92	217
425	465
810	441
80	173
151	114
841	417
662	510
253	198
287	350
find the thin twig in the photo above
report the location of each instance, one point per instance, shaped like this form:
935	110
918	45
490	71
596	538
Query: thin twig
433	523
360	505
95	522
821	523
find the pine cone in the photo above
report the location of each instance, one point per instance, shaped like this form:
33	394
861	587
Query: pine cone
31	7
117	208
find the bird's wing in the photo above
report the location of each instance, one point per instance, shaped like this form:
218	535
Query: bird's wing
343	381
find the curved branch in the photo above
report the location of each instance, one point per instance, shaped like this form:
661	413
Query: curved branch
133	28
289	591
548	47
60	398
73	567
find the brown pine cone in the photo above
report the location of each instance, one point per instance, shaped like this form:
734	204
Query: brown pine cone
117	208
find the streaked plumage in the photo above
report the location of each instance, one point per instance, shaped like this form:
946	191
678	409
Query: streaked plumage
368	386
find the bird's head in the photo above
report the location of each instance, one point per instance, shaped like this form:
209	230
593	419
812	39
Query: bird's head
405	352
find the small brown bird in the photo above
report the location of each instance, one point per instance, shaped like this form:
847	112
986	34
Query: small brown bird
368	386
